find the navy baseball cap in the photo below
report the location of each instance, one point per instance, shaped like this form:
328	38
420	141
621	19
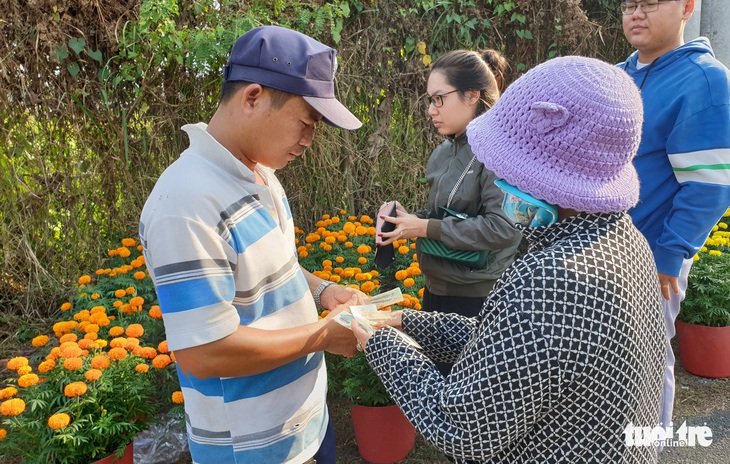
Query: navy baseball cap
289	61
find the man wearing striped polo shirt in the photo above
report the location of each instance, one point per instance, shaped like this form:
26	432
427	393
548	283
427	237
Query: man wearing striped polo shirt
239	311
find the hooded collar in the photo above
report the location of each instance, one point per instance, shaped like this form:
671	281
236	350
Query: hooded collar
698	45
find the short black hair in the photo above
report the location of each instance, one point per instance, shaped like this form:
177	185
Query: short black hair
229	88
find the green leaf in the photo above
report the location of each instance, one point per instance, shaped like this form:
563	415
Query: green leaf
60	53
95	55
73	68
76	44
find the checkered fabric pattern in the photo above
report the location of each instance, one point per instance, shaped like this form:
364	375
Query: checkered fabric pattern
568	350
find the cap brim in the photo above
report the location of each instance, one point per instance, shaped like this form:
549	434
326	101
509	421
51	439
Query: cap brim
334	113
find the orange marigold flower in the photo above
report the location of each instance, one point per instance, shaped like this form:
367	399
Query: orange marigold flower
46	365
116	331
162	347
112	253
72	364
59	421
334	278
8	392
95	296
130	290
84	279
22	370
75	389
117	353
420	292
66	306
68	338
3	433
55	353
142	368
40	340
120	293
409	282
124	252
27	380
177	397
404	250
172	356
363	249
91	336
139	275
12	407
362	260
134	330
70	350
161	361
147	352
401	275
92	375
100	362
129	242
92	328
136	301
117	342
131	344
82	315
367	287
155	312
17	362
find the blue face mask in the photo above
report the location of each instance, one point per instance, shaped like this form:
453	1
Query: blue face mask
525	209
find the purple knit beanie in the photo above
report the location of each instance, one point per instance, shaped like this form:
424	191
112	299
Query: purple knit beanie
566	132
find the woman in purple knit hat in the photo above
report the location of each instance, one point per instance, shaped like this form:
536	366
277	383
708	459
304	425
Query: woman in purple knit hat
565	361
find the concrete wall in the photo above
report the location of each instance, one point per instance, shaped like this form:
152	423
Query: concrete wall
692	28
715	25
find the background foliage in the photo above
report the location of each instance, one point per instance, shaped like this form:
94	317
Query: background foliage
92	96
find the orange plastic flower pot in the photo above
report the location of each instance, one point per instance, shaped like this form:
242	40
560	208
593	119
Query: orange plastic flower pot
383	433
127	458
704	351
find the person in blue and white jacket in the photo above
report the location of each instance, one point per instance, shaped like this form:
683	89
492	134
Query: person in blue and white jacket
683	161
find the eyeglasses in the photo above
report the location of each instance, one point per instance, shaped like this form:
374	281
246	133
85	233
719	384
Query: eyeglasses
628	8
438	100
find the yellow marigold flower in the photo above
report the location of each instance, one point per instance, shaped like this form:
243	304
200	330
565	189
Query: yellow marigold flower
75	389
136	301
84	279
8	392
117	353
161	361
100	362
715	253
101	343
139	275
401	275
404	250
72	364
17	362
59	421
3	433
722	225
12	407
129	242
134	330
409	282
22	370
92	375
142	368
162	347
367	287
177	397
155	312
40	340
66	306
95	296
46	365
120	293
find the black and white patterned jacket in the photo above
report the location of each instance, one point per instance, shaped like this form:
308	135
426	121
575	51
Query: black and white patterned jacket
568	350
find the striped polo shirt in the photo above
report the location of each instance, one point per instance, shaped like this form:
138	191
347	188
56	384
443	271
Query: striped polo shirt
221	252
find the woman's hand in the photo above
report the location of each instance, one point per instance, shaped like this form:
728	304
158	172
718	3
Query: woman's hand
337	294
363	336
406	226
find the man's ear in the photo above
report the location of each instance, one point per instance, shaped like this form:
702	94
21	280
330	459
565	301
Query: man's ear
689	8
251	96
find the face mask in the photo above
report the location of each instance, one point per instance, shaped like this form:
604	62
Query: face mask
525	209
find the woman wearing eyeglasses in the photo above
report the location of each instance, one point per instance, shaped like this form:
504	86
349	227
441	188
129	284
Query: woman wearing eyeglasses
462	85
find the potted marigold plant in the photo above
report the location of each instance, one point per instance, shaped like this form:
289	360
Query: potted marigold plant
97	377
342	250
703	324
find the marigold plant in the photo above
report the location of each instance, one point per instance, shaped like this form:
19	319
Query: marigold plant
83	393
